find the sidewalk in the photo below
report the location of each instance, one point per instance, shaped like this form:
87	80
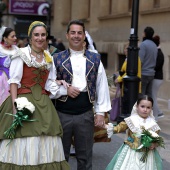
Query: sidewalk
164	124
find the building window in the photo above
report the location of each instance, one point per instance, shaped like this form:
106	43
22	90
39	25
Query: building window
156	3
121	59
104	59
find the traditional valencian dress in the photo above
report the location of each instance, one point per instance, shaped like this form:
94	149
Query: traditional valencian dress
5	60
37	145
127	158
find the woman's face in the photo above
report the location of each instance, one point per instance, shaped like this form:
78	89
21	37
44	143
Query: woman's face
144	108
38	38
11	39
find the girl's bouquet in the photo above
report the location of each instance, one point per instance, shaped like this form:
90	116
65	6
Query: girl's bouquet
147	138
25	110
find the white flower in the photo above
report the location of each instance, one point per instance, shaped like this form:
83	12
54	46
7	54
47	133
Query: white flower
22	102
154	134
30	107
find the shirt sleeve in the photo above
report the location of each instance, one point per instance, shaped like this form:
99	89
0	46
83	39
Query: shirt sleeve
16	71
52	86
102	103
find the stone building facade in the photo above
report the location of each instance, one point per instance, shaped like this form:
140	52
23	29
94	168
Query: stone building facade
109	24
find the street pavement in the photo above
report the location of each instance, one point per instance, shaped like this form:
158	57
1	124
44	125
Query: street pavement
104	152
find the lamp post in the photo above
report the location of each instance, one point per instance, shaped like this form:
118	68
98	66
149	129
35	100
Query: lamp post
2	8
131	81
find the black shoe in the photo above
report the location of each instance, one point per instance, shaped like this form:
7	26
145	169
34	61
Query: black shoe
160	115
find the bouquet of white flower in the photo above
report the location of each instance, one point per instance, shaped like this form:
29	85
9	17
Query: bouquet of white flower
147	138
25	110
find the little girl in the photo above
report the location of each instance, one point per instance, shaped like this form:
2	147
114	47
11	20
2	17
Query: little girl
127	157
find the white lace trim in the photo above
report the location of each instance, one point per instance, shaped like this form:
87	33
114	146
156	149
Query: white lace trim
25	55
5	52
134	123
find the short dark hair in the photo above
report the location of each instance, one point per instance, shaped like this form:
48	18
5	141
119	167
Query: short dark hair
76	22
6	33
149	31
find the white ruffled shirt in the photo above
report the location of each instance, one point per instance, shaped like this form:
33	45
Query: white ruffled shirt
16	70
102	103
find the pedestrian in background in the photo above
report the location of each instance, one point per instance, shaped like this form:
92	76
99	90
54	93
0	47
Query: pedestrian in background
122	72
8	41
37	144
85	73
60	44
148	54
128	157
158	78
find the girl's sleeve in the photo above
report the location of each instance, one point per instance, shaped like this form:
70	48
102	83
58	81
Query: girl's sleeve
121	127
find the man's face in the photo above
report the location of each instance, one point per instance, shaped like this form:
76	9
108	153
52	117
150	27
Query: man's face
76	37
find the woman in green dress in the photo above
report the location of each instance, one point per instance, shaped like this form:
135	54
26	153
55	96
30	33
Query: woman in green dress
37	144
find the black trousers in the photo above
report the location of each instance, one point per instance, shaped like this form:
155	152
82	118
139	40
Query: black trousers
81	127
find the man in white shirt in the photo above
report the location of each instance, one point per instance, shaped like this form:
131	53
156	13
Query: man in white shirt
85	73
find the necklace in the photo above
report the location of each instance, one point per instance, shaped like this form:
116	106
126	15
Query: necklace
6	46
38	54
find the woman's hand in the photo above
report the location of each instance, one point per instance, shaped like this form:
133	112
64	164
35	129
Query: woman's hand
63	82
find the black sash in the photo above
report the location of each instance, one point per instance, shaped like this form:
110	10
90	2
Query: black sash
75	106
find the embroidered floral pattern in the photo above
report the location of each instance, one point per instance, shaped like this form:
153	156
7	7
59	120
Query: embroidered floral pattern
64	70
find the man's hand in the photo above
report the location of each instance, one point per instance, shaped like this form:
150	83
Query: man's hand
99	121
73	91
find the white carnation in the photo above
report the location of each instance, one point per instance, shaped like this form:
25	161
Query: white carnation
22	102
154	134
30	107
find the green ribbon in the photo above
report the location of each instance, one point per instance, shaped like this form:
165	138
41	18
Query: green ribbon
146	140
21	115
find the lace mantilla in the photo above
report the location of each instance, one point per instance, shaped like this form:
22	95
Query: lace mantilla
5	52
29	61
154	127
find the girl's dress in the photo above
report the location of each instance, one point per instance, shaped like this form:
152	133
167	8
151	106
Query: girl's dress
127	158
5	60
37	145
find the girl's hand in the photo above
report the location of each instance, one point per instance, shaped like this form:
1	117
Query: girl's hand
153	146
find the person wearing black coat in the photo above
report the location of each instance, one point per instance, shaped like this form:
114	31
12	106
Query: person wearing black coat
158	78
